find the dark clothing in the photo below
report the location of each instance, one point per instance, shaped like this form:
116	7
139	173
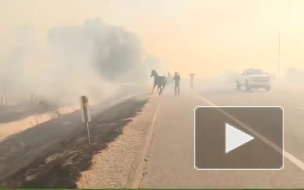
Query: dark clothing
176	79
177	90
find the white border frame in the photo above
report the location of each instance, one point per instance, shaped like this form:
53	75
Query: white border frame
219	107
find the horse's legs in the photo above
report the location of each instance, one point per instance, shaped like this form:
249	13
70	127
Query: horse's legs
158	89
153	89
162	89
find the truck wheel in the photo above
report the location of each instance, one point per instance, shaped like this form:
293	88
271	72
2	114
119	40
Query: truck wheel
248	88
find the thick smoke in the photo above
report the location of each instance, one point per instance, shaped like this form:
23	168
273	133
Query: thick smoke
153	62
14	66
295	75
93	59
111	50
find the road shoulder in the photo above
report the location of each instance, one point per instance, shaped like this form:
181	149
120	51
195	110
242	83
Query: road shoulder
118	164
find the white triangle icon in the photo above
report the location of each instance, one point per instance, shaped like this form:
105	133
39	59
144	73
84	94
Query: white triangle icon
235	138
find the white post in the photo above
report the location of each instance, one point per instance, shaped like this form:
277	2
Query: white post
89	137
86	116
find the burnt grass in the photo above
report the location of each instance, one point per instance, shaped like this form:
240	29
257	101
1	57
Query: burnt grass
21	111
61	165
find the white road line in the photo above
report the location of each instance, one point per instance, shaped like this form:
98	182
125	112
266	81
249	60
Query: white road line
286	154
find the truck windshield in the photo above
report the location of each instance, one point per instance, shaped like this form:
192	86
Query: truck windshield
255	72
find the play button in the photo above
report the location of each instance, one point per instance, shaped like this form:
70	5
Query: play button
235	138
249	138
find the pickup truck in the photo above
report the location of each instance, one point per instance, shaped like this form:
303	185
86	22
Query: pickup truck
253	78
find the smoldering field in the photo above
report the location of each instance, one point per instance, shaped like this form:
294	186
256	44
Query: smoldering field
94	59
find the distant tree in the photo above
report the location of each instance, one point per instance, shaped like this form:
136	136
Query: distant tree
111	50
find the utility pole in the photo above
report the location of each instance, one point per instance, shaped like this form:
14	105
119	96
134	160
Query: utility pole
279	56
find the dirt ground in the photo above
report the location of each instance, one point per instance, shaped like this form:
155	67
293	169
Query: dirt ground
118	165
55	153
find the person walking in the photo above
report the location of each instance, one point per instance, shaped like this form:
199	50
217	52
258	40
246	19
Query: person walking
176	79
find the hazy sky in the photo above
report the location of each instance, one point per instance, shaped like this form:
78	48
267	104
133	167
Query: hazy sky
202	36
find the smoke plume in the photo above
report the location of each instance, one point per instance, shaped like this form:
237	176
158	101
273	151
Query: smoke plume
93	59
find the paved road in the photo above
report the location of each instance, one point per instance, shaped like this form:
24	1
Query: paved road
171	155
